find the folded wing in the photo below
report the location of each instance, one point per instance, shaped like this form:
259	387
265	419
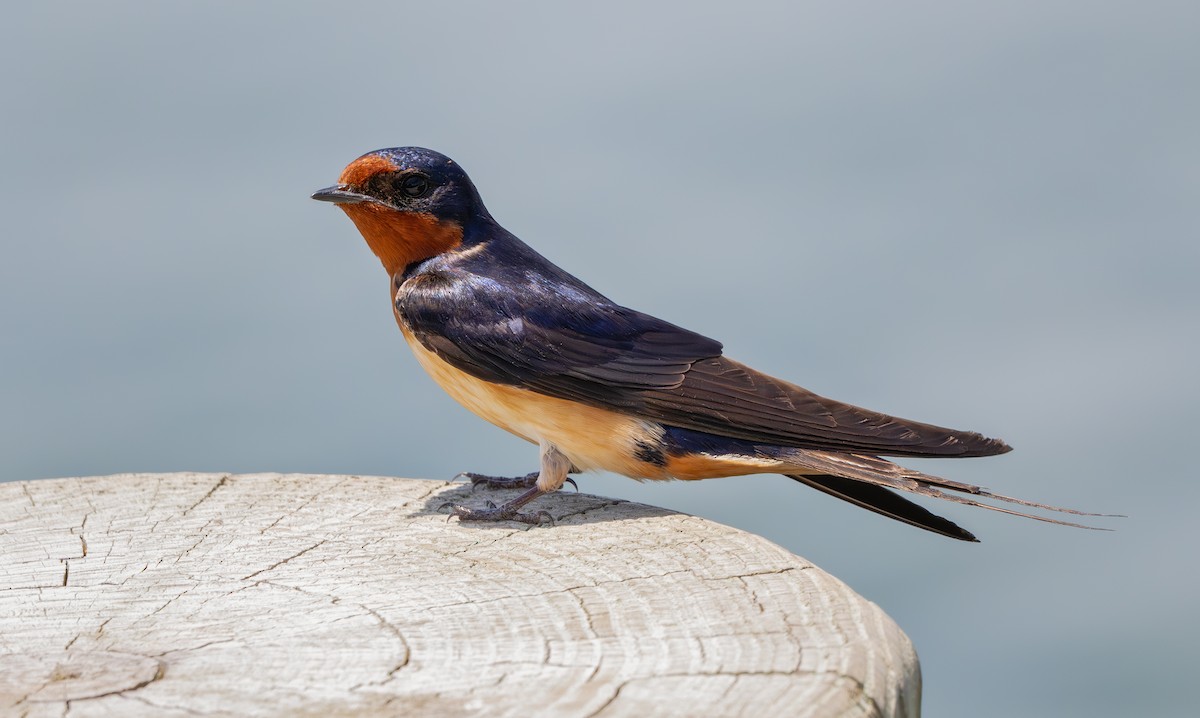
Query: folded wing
571	343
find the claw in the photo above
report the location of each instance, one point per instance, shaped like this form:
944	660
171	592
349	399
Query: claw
509	511
498	513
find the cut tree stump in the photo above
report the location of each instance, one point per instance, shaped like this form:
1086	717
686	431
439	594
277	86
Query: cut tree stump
268	594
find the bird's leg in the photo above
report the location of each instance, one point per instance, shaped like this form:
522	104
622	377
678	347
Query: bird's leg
553	475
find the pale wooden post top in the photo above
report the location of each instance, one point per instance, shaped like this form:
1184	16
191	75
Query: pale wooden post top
269	594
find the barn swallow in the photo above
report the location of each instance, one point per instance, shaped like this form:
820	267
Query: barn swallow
599	386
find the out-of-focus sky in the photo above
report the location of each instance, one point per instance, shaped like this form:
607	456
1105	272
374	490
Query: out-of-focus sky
984	215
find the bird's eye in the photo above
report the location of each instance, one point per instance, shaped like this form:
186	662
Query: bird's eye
414	186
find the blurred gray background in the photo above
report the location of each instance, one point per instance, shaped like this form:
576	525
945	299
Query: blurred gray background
976	214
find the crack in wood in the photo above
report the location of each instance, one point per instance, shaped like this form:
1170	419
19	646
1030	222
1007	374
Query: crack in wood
325	490
611	699
205	497
189	649
277	564
159	673
178	596
25	488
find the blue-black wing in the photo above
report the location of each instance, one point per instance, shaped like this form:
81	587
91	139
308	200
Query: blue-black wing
547	332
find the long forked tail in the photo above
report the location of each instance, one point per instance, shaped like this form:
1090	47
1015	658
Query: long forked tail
866	480
882	501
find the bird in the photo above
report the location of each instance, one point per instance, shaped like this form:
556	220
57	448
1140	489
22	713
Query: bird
599	386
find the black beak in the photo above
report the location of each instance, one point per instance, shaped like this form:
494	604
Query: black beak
340	194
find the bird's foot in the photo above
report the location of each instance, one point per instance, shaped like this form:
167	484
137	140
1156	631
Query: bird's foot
509	511
527	481
504	512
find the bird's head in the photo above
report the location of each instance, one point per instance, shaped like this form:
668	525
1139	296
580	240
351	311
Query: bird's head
409	203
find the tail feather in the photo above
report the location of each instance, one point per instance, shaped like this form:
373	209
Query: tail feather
840	472
937	493
882	501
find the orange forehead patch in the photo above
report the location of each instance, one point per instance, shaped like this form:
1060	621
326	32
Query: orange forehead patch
363	168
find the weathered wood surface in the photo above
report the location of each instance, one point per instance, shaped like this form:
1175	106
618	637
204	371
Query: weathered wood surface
178	594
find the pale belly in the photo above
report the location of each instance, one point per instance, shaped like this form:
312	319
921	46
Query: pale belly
593	439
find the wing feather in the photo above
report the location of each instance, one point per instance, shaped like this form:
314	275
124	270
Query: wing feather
565	340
